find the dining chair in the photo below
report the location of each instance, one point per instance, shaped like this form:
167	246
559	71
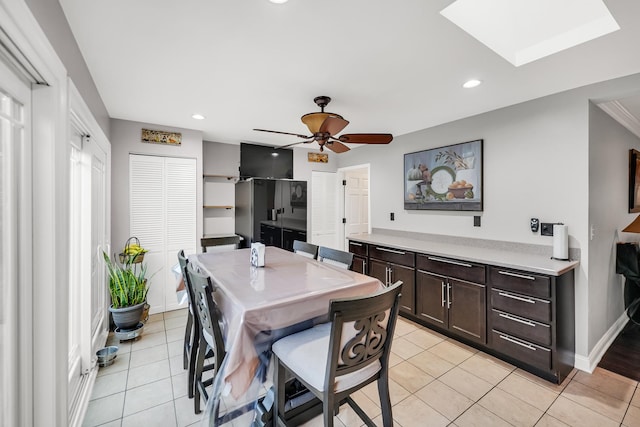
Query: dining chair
335	257
211	344
192	329
306	249
335	359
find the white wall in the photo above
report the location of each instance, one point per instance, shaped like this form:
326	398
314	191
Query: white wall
51	18
126	139
536	164
609	144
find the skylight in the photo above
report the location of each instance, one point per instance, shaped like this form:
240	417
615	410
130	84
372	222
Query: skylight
522	31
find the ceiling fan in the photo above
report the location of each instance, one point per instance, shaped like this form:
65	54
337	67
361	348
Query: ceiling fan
324	127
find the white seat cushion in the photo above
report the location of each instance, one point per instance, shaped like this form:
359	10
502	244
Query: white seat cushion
306	352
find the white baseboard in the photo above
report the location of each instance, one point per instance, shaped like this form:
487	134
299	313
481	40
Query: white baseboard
588	364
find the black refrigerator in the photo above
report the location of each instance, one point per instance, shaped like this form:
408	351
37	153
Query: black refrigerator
271	211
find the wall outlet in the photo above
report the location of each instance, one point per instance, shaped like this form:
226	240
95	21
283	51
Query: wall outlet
546	229
476	221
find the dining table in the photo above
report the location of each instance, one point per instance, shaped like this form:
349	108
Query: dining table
259	305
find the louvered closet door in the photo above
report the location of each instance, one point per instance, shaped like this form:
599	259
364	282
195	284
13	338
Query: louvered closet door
162	203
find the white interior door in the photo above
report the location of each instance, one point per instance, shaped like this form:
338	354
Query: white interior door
324	209
356	202
162	203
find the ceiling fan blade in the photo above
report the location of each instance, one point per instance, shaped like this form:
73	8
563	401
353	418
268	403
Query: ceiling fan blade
366	138
284	133
333	125
336	147
295	143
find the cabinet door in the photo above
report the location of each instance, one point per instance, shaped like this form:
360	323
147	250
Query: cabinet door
288	236
270	235
407	275
467	310
359	264
378	269
431	298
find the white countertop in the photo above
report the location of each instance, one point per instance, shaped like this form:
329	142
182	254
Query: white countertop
534	263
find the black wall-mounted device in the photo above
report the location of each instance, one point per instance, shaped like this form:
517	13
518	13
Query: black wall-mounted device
535	223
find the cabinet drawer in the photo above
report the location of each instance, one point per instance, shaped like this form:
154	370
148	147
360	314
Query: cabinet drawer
358	248
527	329
451	267
519	281
524	351
521	305
397	256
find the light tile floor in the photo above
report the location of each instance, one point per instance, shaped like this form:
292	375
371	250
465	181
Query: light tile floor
434	381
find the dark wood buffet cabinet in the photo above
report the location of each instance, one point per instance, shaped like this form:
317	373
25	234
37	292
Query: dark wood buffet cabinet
524	318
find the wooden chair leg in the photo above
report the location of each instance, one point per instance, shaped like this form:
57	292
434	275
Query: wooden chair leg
385	401
279	396
188	344
202	350
192	361
328	407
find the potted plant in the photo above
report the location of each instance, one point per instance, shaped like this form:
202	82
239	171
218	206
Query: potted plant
127	286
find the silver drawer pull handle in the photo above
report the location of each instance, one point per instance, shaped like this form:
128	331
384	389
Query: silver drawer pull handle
515	319
448	261
529	300
519	276
391	250
355	243
521	344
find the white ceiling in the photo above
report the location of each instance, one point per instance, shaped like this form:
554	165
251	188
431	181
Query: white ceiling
389	66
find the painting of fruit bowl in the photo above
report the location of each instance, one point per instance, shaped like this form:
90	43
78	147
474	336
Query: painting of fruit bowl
444	178
460	190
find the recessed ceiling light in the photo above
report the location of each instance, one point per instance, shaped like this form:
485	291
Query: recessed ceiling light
278	1
471	83
198	116
274	154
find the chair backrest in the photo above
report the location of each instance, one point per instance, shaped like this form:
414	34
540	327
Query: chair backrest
307	249
207	312
335	257
183	261
361	332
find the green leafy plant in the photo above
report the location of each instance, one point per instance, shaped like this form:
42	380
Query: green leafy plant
452	158
127	282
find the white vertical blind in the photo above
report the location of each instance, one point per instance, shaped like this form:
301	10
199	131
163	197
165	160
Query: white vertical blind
162	203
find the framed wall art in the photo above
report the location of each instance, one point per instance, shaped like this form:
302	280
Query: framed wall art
161	137
634	181
445	178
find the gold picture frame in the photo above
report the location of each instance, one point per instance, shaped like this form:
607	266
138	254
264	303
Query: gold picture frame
161	137
318	157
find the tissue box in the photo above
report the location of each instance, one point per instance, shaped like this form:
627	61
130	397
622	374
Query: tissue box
257	254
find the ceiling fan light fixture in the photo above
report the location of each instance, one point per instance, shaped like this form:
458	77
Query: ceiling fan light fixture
315	120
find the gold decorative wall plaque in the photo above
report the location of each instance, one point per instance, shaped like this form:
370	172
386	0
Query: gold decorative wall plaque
160	137
318	157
